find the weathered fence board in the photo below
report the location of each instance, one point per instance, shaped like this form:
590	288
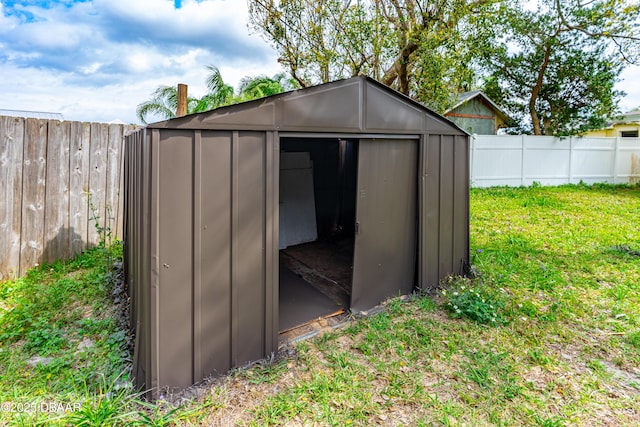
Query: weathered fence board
33	192
80	135
113	171
11	148
98	179
56	206
48	168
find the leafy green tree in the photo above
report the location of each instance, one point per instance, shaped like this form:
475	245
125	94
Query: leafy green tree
261	86
319	42
420	47
554	68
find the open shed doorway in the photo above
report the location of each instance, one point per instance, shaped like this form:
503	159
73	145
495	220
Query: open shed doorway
348	222
318	179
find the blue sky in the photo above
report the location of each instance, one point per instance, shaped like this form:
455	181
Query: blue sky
96	60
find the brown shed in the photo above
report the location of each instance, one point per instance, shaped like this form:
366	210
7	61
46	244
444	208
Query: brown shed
245	221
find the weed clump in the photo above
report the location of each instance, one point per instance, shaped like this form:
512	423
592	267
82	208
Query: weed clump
474	302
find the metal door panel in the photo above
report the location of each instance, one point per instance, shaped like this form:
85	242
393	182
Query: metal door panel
384	255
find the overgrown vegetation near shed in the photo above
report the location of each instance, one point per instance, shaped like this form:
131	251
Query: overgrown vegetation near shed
546	333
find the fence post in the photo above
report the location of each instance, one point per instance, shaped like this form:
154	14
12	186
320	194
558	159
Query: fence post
570	159
473	157
614	167
522	160
182	100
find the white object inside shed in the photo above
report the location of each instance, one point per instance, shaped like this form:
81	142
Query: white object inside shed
297	200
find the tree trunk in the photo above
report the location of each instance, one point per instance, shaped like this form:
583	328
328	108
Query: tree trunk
535	120
398	71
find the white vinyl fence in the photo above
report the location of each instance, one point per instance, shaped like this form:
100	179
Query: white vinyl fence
521	160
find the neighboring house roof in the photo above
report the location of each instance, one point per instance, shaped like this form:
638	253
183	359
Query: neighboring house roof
32	114
631	117
465	97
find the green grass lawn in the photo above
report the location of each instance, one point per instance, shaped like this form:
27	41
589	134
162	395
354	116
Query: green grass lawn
546	333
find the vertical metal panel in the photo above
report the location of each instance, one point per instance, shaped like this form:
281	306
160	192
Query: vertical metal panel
446	204
430	215
249	243
197	255
175	254
460	230
146	222
384	257
213	188
272	260
137	251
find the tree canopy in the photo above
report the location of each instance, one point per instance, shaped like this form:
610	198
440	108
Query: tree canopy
421	48
555	67
552	67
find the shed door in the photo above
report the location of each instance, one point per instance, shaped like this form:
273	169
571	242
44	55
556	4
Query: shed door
384	255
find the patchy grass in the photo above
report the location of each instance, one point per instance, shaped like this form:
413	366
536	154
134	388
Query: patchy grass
63	349
557	268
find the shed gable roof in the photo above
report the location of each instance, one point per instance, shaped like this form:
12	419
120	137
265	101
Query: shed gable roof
356	105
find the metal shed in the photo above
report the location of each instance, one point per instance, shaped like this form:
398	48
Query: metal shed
231	212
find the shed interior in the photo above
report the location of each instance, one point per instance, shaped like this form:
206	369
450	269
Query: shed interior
318	179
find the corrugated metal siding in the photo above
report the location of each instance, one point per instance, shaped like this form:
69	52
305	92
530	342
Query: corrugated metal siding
444	202
202	221
202	289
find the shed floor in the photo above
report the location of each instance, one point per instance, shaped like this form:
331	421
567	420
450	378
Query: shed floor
327	264
315	283
300	302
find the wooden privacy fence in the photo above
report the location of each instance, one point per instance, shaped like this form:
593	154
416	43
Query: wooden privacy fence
516	160
51	172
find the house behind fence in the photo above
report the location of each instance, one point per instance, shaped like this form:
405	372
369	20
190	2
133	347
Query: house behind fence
52	173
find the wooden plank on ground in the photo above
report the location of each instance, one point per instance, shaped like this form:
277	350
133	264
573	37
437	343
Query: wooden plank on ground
80	139
11	147
33	193
56	212
114	162
97	181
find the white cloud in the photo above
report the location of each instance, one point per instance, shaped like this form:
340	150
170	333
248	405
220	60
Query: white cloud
630	83
48	35
7	23
96	61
